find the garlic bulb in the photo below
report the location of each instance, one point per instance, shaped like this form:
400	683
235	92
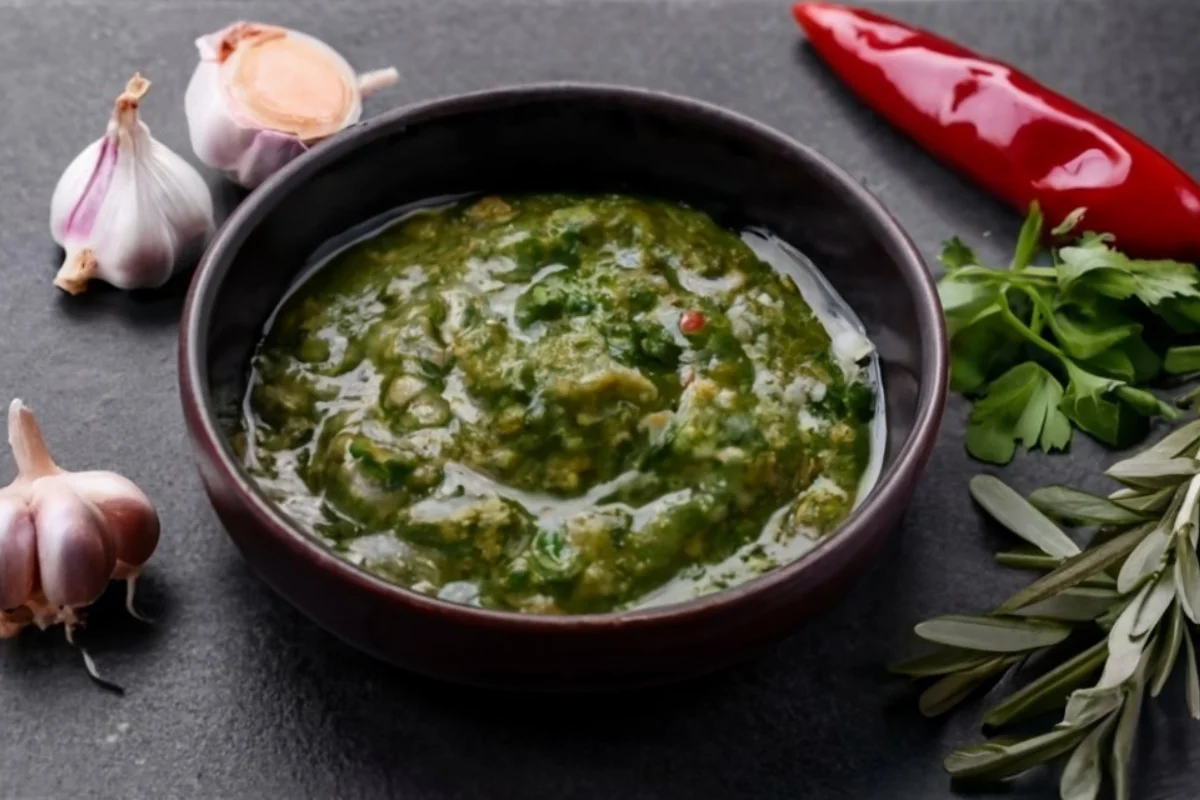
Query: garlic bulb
262	94
65	535
127	208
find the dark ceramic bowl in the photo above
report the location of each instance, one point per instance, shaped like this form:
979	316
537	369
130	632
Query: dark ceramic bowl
558	137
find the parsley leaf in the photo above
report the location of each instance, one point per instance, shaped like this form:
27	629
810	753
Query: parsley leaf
1132	361
1086	404
955	254
1085	336
1146	363
964	299
1181	313
1070	222
982	350
1120	276
1020	406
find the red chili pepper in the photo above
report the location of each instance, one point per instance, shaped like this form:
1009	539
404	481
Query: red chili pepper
1013	136
691	322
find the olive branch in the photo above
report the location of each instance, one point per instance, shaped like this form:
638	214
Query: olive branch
1134	592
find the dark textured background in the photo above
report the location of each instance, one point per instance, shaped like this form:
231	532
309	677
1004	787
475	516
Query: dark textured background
233	694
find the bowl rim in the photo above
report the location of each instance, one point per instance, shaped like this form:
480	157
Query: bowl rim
893	482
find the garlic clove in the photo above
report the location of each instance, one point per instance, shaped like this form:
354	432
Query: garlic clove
126	511
28	446
262	94
127	208
18	553
75	548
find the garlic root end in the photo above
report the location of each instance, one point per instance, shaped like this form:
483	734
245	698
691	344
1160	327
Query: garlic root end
373	81
130	588
76	271
27	443
93	672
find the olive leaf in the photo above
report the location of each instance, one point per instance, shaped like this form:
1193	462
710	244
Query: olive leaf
994	761
1153	474
1019	559
1073	571
1188	398
1124	650
941	662
1086	706
964	758
1193	677
1143	502
1076	604
1110	618
1015	513
1154	605
1145	560
956	687
1187	578
992	634
1049	691
1138	580
1072	505
1170	446
1122	744
1168	651
1084	772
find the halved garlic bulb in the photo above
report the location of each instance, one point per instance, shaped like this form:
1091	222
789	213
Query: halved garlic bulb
262	94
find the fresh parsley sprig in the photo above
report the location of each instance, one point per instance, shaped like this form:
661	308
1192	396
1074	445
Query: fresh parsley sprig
1045	347
1130	599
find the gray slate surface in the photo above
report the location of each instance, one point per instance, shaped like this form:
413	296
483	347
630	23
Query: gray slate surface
233	694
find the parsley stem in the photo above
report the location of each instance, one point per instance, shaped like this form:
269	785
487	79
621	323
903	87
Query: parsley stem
1026	333
1040	272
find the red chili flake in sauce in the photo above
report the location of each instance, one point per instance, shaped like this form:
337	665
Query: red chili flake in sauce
691	322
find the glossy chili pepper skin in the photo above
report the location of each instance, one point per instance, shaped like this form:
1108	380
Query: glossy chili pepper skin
1008	133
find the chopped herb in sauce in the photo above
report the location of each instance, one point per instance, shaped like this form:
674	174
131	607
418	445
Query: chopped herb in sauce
555	404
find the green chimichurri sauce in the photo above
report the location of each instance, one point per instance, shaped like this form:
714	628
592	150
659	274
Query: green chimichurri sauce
555	404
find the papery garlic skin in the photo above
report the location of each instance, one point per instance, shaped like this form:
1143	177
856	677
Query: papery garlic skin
64	535
127	209
244	112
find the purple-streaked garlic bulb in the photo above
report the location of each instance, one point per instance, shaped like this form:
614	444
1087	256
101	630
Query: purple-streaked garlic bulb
65	535
263	94
127	209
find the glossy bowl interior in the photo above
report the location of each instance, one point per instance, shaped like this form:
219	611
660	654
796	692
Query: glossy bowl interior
546	138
